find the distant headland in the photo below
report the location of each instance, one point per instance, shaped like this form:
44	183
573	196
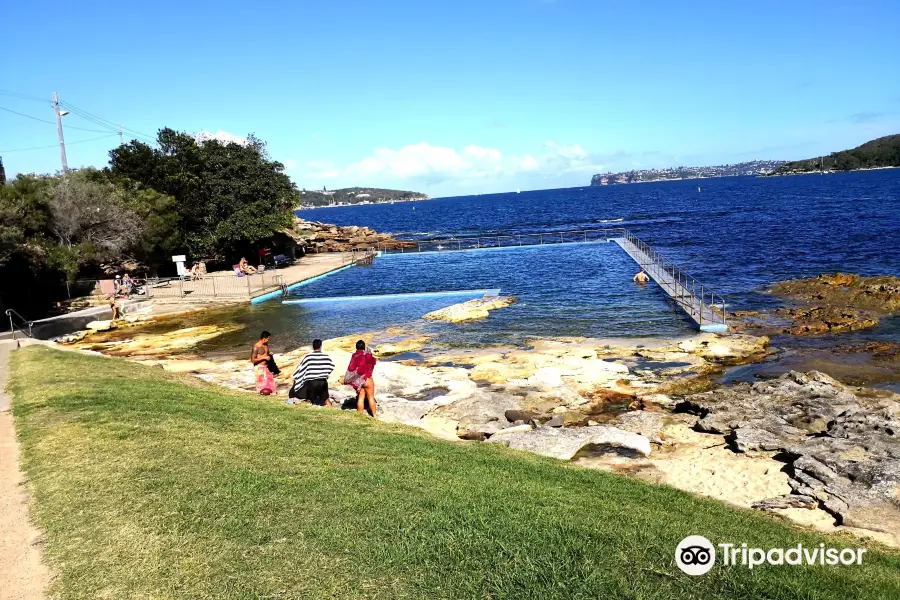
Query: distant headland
879	153
356	195
755	167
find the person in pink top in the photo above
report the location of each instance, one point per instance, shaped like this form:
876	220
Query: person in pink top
359	377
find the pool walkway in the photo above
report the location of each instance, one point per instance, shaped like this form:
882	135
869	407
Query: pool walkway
692	297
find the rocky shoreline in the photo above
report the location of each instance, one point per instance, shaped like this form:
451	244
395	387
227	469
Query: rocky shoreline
803	446
313	236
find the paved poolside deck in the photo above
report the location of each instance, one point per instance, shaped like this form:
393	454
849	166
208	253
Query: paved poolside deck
225	285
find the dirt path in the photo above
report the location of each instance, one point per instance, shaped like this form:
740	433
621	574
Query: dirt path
22	574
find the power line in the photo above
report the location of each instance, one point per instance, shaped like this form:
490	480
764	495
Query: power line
95	119
22	96
102	137
50	122
101	121
26	116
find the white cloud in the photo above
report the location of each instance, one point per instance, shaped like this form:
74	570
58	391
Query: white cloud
432	164
323	169
574	152
221	136
440	169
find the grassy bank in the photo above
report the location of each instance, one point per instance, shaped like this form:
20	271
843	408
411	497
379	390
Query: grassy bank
154	486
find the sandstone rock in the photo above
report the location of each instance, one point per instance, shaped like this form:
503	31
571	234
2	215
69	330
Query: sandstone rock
564	444
774	413
881	295
519	415
843	448
71	338
512	430
399	410
439	426
657	400
826	319
725	348
557	420
95	326
471	310
488	429
645	423
315	236
188	366
480	407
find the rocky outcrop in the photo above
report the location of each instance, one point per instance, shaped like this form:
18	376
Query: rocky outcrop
843	447
881	295
472	310
826	319
837	302
313	236
564	443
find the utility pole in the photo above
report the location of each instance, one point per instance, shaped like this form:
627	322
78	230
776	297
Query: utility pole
121	139
59	131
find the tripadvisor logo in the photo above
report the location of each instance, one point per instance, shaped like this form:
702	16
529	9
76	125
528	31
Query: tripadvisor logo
696	555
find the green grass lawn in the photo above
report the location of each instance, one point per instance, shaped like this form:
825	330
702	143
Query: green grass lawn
150	485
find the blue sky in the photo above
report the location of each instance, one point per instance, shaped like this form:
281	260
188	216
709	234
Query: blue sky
459	97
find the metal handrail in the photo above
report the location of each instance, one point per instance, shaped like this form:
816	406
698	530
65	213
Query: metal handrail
686	296
517	239
12	325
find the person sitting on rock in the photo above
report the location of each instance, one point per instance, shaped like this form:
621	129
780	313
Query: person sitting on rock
311	377
641	278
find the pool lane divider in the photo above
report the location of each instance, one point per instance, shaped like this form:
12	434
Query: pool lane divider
484	293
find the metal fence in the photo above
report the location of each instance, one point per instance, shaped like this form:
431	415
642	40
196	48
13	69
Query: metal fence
213	286
209	286
509	240
359	256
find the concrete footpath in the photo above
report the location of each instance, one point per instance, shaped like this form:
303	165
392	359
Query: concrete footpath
23	576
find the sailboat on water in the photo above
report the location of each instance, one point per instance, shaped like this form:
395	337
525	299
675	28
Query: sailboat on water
517	190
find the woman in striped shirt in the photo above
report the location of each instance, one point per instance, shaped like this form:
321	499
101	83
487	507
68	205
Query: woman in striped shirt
311	376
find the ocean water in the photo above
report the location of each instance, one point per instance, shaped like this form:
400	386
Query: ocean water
736	235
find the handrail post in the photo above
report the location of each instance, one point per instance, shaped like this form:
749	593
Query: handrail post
702	300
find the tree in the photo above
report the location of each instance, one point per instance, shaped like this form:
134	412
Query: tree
90	220
158	237
228	196
24	214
